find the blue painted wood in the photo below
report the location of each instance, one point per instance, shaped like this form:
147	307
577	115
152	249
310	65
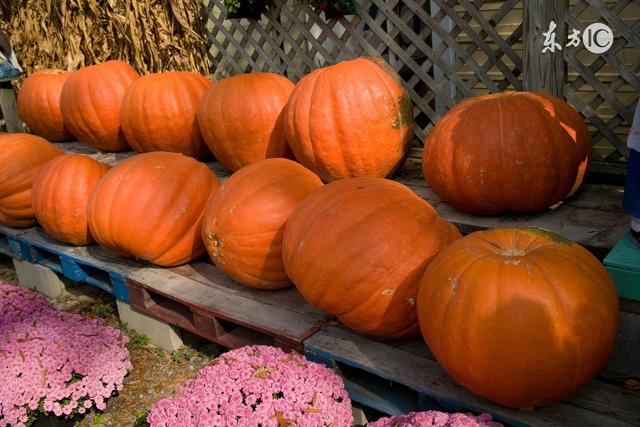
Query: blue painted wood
10	245
88	264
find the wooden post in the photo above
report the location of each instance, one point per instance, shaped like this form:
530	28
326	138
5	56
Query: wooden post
544	72
9	107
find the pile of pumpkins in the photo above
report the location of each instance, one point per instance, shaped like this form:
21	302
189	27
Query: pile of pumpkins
520	316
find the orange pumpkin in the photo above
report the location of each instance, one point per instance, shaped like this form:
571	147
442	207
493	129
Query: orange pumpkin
520	316
90	101
353	119
60	196
504	152
22	157
159	113
244	222
150	206
241	121
39	104
573	123
357	248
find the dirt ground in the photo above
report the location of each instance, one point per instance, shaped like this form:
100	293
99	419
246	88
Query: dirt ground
156	373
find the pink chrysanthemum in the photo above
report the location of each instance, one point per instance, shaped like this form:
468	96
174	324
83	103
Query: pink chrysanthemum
257	386
436	419
56	361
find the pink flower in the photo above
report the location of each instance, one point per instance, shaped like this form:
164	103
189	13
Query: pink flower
54	358
257	385
436	419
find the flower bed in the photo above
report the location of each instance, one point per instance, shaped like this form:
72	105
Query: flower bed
257	386
54	362
436	419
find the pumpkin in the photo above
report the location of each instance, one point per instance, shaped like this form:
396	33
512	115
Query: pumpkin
523	317
504	152
573	123
352	119
244	222
39	104
22	157
150	207
159	113
241	118
357	248
90	101
60	196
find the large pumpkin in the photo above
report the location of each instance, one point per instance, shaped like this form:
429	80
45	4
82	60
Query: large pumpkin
357	248
244	222
241	121
159	113
505	152
91	100
22	157
353	119
60	196
150	206
573	123
39	104
520	316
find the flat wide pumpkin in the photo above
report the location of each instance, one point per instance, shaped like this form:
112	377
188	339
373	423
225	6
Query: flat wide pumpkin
505	152
39	104
60	197
520	316
22	157
90	102
150	207
244	222
352	119
357	248
241	118
159	113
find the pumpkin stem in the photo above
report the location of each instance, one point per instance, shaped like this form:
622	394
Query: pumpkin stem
513	252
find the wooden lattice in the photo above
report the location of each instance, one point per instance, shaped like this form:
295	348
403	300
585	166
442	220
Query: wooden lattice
613	77
445	51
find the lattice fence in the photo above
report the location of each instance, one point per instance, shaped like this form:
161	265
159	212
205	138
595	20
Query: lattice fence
444	50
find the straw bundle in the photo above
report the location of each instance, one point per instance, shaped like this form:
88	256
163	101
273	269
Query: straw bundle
152	35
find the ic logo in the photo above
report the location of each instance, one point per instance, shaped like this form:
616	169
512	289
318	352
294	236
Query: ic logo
597	38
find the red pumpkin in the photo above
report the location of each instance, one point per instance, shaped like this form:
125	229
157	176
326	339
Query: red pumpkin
150	206
505	152
90	101
159	113
22	157
352	119
357	248
519	316
241	121
244	222
39	104
60	196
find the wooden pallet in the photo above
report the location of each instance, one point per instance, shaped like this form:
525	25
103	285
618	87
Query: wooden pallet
89	264
592	217
402	377
10	245
623	264
200	298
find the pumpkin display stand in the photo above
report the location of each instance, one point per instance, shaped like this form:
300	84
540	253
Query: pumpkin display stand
392	377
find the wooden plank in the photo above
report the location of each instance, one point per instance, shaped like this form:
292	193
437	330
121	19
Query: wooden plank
222	298
599	404
627	351
591	217
9	107
544	72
